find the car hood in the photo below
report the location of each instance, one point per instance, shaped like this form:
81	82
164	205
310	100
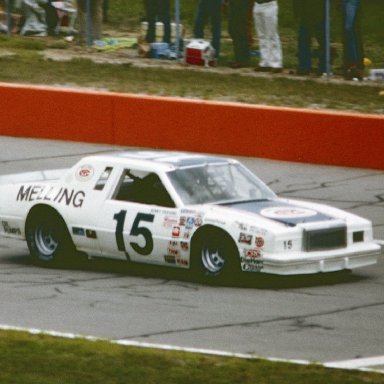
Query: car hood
281	211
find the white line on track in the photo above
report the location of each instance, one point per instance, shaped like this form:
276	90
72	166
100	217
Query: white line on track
364	364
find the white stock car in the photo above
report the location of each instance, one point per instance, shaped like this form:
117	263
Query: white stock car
206	213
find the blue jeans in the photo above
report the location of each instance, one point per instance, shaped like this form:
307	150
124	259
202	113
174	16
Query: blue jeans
352	39
305	35
209	9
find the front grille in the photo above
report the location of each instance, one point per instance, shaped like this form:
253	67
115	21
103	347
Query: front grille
324	239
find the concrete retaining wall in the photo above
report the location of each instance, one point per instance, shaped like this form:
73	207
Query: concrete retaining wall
355	140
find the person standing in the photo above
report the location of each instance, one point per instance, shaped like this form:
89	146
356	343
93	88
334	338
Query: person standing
158	10
96	21
250	25
34	18
209	9
311	18
238	30
105	10
353	50
51	18
265	14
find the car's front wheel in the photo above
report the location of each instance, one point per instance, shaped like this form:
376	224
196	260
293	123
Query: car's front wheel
214	255
48	238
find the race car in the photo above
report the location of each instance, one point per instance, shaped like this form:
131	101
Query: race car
209	214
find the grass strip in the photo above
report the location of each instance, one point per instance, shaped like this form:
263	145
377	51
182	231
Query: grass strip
22	60
29	66
42	359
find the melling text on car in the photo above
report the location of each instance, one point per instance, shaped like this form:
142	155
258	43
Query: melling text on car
209	214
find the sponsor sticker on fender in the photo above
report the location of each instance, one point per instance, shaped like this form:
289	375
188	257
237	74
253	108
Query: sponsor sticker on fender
251	253
85	172
176	231
287	212
259	241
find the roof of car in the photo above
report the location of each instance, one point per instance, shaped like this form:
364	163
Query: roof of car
172	159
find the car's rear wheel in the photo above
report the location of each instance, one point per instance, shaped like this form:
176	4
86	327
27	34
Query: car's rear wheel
214	255
48	238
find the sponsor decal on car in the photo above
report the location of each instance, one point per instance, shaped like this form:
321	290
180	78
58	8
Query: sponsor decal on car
168	212
170	221
170	259
280	211
78	231
173	252
251	264
245	238
69	197
176	231
259	241
188	212
85	172
259	231
89	233
243	227
10	230
287	212
252	253
183	262
189	223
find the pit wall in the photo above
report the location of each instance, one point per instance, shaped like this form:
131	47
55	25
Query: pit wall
298	135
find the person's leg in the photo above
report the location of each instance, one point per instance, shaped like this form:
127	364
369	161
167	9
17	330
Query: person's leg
238	12
304	49
150	11
82	17
353	45
165	16
350	12
105	10
275	55
201	13
51	17
260	27
97	18
215	17
321	40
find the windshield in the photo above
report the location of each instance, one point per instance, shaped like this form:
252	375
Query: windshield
218	183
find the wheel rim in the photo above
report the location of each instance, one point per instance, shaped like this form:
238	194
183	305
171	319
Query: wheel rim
46	242
212	260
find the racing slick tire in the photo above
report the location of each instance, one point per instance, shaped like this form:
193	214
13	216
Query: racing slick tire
215	255
48	239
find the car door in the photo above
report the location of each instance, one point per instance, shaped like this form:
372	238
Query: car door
139	220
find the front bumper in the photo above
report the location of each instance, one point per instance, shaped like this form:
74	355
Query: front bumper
327	261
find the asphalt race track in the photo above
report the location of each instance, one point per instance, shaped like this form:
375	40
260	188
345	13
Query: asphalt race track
322	318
